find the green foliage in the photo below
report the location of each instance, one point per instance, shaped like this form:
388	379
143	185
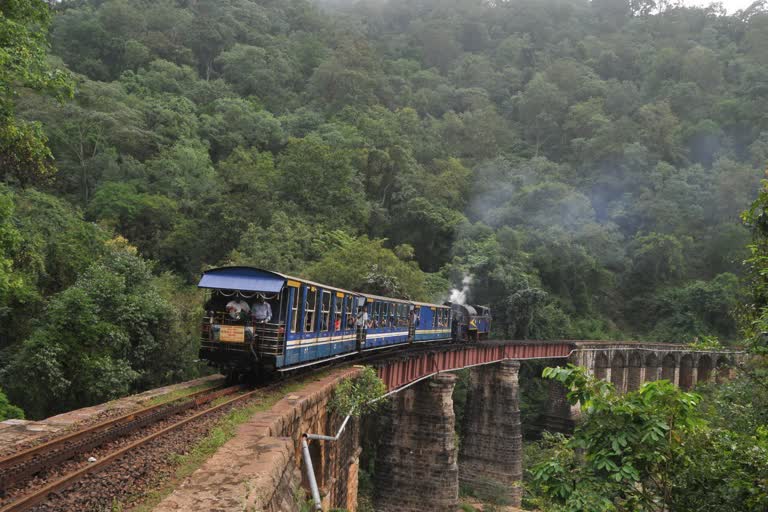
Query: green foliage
647	450
359	395
24	157
628	444
366	265
754	314
109	333
706	343
8	410
584	163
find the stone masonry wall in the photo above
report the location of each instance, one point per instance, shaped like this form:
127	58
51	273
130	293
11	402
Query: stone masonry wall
491	451
260	469
628	366
416	466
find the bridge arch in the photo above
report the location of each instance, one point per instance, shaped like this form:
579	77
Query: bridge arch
652	367
723	369
668	368
686	372
617	371
601	365
704	369
634	378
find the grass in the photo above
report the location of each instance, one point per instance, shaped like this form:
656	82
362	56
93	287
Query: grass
223	431
179	393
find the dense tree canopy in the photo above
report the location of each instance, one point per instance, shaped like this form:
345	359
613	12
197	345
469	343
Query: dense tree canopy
583	163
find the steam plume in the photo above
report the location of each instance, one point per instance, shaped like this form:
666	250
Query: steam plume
460	296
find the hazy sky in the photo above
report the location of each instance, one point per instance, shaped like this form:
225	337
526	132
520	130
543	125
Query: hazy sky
730	5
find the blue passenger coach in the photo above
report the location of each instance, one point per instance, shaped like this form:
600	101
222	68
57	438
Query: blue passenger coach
257	320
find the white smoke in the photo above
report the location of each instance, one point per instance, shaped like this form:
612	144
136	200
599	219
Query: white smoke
460	296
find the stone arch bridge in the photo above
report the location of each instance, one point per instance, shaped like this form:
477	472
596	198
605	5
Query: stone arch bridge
626	364
418	465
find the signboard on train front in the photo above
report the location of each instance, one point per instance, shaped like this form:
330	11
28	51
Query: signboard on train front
232	333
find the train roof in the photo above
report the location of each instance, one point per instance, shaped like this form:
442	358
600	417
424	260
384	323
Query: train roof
252	279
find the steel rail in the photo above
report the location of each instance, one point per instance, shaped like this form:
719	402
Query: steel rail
37	497
27	501
25	463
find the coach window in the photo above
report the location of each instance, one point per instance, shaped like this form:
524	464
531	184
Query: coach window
295	310
350	314
338	312
310	308
326	311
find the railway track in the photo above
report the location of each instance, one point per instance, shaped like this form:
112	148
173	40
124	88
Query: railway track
19	467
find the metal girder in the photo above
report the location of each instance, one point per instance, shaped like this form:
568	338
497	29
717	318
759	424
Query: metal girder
401	371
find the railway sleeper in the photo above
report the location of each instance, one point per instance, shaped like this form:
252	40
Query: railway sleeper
26	469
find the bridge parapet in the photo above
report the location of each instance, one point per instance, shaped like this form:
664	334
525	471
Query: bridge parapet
400	371
625	363
628	365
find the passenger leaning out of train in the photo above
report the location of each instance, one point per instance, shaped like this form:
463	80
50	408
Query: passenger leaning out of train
238	310
261	312
362	318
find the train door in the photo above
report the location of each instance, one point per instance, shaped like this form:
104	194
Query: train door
413	322
361	322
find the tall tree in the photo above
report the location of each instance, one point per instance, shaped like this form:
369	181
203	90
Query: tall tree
24	156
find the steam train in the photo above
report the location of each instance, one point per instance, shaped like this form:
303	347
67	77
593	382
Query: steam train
257	321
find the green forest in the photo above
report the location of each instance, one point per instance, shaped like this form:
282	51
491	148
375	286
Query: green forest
583	164
588	169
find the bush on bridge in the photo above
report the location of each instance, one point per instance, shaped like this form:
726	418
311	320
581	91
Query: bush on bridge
359	395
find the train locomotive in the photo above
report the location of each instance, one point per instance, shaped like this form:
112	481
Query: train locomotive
470	323
257	321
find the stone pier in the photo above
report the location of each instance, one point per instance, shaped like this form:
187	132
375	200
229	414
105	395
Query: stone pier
491	452
416	468
629	366
559	415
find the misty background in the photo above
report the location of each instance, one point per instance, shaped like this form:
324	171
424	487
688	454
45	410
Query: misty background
579	167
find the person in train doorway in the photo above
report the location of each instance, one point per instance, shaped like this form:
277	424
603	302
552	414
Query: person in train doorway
415	317
261	312
361	320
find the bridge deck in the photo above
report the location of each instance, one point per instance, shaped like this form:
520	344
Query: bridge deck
403	369
399	371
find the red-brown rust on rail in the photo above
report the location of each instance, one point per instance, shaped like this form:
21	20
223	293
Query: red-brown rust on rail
18	466
37	497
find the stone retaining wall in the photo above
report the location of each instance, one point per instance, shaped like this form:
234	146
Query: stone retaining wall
260	469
